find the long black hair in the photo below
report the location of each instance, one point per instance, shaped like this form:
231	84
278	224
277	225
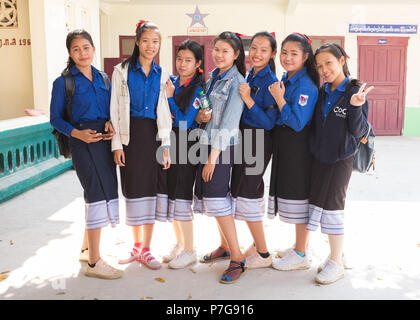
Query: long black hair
70	37
183	99
235	42
338	52
273	44
306	46
141	28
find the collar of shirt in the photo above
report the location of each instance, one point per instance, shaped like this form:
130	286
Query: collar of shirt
260	73
154	68
215	75
75	71
341	87
295	77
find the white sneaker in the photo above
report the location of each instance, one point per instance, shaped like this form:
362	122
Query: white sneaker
330	273
344	261
84	256
175	251
184	259
251	250
292	261
281	253
103	270
256	261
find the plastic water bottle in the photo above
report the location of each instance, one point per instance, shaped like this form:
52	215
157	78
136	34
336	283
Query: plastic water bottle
204	101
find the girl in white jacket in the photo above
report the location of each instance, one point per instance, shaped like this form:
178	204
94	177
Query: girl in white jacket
141	116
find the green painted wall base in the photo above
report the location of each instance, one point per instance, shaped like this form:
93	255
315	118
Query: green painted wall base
412	121
21	181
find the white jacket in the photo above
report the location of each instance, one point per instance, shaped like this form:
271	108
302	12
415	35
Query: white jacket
120	109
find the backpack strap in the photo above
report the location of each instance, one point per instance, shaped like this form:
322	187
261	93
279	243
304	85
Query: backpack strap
105	78
69	83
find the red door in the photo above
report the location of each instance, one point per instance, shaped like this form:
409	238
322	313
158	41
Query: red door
382	63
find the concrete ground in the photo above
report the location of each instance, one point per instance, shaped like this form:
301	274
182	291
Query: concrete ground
41	233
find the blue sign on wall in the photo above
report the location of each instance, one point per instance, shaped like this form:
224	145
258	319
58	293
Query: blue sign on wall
383	28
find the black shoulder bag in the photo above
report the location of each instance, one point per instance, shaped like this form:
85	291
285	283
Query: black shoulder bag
364	158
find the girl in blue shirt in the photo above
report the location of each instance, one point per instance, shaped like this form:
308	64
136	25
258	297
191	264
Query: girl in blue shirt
139	112
183	96
295	96
212	188
90	132
258	118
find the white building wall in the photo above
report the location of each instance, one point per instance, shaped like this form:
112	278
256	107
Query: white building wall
321	17
117	19
50	22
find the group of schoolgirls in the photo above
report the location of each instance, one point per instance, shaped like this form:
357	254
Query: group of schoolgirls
310	133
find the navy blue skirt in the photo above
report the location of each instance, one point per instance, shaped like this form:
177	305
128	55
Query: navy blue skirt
213	198
96	170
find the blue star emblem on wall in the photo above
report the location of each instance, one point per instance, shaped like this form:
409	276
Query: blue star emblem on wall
197	17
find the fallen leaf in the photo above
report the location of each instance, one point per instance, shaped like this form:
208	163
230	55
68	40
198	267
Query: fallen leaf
266	225
12	242
418	245
379	278
242	248
60	293
146	298
3	277
399	268
160	279
192	270
119	242
5	272
326	241
189	297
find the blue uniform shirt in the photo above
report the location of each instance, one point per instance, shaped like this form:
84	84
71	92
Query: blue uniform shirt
301	96
332	97
256	116
215	78
190	112
90	100
144	91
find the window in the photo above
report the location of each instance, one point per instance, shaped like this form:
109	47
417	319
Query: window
318	41
8	14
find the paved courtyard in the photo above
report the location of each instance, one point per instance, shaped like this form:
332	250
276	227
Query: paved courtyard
41	234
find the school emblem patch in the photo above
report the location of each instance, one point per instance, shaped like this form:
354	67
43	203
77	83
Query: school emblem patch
196	103
303	100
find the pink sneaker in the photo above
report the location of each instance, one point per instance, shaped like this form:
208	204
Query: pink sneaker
148	260
133	255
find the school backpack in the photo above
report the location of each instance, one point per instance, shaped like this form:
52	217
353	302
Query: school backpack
364	158
62	139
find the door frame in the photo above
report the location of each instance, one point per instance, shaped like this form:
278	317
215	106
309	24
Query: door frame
391	41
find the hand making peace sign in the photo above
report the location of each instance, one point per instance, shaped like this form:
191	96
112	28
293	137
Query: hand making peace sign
359	98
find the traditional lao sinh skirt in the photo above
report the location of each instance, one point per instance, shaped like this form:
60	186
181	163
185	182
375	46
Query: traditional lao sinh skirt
180	179
96	170
143	181
213	198
329	183
290	175
247	176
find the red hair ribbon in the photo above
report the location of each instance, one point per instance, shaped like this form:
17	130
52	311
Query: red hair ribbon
273	34
304	36
347	57
138	25
200	70
239	34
